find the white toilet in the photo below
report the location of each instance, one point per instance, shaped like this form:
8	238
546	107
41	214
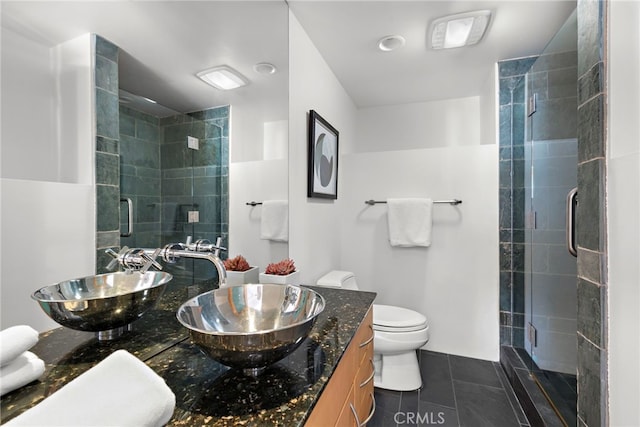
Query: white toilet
398	333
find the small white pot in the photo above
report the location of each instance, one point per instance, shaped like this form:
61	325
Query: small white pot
235	278
289	279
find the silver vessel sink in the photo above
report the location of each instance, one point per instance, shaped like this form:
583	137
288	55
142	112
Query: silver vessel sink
105	304
251	326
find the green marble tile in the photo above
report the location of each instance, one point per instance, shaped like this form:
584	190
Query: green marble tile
106	49
107	117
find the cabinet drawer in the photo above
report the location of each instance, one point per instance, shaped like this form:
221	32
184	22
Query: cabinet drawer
364	380
363	340
365	407
336	393
347	418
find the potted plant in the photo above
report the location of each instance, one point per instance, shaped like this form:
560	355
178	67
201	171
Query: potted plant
282	272
239	271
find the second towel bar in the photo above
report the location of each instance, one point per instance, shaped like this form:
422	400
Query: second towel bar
451	202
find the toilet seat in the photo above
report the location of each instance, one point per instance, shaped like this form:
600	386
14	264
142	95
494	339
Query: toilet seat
387	318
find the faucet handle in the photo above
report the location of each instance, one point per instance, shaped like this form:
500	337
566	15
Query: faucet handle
117	257
204	245
151	261
218	247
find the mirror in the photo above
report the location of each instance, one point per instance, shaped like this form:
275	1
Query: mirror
192	157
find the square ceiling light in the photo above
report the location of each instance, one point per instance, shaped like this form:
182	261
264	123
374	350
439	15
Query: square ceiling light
223	77
463	29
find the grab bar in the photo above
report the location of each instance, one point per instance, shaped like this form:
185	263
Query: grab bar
130	215
570	232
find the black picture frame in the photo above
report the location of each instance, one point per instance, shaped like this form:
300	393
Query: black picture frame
322	176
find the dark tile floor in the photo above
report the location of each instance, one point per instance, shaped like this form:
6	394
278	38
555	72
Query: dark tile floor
456	391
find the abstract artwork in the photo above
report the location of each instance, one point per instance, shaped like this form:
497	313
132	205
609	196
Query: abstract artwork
323	158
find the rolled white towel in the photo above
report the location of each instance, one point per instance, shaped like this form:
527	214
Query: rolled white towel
119	391
21	371
16	340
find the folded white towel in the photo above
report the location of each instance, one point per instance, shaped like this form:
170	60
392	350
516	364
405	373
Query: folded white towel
409	222
274	222
21	371
16	340
119	391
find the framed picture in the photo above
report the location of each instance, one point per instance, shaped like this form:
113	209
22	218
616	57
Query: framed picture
323	158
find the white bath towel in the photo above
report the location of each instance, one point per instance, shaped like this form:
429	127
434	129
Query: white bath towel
274	222
119	391
16	340
409	222
21	371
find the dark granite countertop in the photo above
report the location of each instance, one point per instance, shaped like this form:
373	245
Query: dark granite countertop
207	392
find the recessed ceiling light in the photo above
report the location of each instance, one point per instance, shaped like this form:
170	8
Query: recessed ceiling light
459	30
389	43
264	68
223	77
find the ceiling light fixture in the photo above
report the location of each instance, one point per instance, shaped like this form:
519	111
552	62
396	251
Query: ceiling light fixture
264	68
463	29
223	77
389	43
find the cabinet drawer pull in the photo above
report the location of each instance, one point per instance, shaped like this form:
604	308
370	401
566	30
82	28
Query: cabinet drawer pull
364	344
373	411
373	372
355	414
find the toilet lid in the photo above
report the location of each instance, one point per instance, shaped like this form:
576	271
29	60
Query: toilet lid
399	319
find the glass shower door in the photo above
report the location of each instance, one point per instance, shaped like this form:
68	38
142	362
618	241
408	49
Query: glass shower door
551	160
174	170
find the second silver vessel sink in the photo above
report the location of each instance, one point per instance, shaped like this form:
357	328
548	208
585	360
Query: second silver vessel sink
105	303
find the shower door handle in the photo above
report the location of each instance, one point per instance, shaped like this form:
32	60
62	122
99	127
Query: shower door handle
130	217
572	202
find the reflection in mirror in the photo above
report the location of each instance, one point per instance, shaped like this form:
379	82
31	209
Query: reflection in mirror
173	167
190	168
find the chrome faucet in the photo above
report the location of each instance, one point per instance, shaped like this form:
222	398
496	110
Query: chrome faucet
143	259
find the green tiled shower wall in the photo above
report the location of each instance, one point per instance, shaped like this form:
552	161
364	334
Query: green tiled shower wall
166	179
107	150
591	218
512	198
140	177
196	180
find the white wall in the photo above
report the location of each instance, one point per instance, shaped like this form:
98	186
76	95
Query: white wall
314	227
623	211
28	105
446	123
47	209
454	282
47	237
444	149
46	109
255	181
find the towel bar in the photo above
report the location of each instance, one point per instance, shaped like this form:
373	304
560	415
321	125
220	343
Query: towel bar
451	202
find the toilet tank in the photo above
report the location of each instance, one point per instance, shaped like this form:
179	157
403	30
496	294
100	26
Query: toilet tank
338	279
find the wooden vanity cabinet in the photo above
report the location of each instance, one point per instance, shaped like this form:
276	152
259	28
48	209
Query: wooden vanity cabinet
348	400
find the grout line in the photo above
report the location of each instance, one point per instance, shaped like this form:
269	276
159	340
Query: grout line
453	389
480	384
